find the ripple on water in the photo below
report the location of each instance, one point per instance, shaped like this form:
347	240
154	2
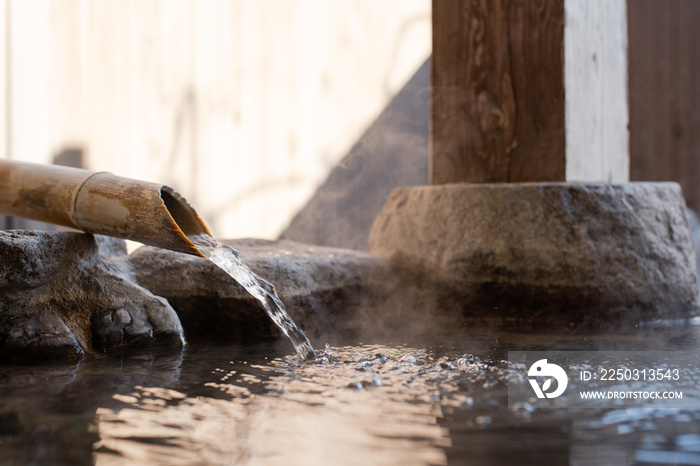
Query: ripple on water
371	403
375	404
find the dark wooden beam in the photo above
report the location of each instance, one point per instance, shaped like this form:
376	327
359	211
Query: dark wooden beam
497	75
664	93
500	111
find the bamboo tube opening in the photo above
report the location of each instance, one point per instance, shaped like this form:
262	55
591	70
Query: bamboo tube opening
182	213
100	203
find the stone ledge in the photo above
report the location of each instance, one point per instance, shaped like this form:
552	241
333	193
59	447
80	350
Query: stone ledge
64	295
321	287
563	254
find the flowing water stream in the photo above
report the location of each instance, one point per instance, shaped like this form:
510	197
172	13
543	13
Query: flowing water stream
228	260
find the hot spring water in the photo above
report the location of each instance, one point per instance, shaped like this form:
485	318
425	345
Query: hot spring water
433	400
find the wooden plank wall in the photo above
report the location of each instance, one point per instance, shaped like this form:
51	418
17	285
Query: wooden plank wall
244	106
143	87
664	93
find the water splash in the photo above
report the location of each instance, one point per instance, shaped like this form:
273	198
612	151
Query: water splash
228	259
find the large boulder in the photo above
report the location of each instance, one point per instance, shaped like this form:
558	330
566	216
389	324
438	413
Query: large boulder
63	294
563	254
320	287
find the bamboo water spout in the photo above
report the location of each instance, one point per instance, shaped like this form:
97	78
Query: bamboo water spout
100	203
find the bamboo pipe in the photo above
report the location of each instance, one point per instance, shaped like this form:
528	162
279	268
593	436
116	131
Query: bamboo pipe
100	203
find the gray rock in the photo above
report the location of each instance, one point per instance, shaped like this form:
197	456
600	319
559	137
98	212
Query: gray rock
320	287
34	336
695	234
546	253
63	294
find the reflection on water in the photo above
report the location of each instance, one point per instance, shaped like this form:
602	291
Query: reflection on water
441	402
370	404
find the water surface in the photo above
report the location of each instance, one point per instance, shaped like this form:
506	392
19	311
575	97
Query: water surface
438	401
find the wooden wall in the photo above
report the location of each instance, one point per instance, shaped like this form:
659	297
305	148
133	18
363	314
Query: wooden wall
664	93
244	106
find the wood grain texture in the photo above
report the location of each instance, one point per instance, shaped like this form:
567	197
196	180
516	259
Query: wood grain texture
497	113
664	71
595	69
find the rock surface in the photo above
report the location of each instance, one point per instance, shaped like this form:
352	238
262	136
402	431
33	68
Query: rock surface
63	294
695	235
320	287
546	253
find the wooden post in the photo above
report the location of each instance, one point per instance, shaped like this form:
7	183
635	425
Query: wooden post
664	93
529	90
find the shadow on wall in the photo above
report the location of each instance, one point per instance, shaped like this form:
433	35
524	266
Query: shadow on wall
392	152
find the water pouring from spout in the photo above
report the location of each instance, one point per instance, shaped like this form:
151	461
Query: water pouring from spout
150	213
228	260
